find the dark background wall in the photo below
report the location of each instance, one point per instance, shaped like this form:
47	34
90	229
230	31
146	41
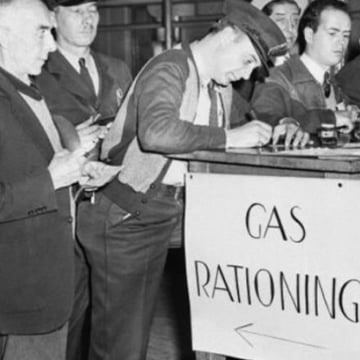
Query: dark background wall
133	29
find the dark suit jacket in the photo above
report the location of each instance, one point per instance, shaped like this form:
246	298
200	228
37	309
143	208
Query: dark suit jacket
36	246
291	91
67	95
348	78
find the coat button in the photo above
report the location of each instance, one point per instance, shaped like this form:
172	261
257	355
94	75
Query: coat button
144	200
152	186
70	219
137	213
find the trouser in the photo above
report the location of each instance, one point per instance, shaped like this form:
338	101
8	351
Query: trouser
126	254
79	322
50	346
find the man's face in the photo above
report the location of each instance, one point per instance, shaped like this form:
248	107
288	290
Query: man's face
235	59
286	17
29	39
77	25
327	46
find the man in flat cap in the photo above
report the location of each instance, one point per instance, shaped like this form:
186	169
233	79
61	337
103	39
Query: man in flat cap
81	85
302	89
179	102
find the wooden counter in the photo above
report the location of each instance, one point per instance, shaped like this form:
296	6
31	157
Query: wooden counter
262	162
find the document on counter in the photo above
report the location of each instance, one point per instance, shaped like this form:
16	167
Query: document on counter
350	151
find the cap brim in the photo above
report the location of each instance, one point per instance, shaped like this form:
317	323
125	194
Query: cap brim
55	3
264	59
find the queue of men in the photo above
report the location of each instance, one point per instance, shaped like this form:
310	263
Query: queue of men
60	101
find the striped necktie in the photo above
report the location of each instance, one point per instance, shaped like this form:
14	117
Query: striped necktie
213	113
327	84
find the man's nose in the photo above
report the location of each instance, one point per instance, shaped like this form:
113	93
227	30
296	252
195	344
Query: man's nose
50	42
88	17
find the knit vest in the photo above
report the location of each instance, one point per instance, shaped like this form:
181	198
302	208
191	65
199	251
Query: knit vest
143	168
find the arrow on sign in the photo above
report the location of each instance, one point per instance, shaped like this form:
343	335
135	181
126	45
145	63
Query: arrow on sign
240	330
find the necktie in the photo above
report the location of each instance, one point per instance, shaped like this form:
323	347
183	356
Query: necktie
327	84
85	76
213	113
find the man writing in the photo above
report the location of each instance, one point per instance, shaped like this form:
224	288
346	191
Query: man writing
180	102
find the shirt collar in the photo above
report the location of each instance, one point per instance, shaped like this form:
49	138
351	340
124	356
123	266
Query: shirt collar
316	70
29	90
74	59
204	76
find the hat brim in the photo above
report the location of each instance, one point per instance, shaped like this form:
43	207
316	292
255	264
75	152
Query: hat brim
54	3
264	59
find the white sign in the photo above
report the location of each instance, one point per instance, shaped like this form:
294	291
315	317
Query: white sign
273	266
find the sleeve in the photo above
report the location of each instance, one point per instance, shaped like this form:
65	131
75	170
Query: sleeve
126	77
240	107
158	100
29	194
26	197
348	79
272	102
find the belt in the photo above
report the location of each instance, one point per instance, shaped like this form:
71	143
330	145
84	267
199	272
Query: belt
176	192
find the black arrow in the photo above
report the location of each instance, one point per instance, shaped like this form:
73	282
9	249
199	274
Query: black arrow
242	329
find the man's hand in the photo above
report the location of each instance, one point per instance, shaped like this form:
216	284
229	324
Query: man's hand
96	174
89	133
253	133
292	134
345	118
65	167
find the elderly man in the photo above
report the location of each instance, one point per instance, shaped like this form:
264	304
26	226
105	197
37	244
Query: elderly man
179	102
302	89
36	277
36	214
285	14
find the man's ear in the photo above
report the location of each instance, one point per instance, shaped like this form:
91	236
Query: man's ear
53	19
308	35
227	35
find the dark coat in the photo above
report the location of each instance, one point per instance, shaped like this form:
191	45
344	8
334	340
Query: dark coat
67	95
36	245
349	78
291	91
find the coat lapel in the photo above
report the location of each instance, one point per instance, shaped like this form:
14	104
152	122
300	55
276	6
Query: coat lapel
67	76
106	82
27	119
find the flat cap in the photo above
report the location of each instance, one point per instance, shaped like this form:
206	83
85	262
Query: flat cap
266	36
54	3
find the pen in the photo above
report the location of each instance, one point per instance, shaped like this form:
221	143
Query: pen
251	115
342	127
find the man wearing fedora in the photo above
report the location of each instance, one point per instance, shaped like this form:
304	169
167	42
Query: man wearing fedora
82	86
179	102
